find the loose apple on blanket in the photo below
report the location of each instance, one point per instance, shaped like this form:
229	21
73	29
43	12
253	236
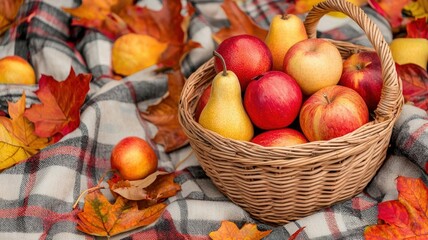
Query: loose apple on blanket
134	158
292	89
16	70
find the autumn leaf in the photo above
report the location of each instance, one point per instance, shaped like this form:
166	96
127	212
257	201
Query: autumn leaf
240	23
390	9
415	84
165	115
17	138
304	6
406	217
229	230
164	187
8	11
167	25
101	218
59	111
155	187
417	28
102	15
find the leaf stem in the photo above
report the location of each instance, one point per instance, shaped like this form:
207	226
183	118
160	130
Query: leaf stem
86	191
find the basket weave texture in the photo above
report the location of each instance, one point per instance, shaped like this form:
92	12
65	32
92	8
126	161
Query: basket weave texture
281	184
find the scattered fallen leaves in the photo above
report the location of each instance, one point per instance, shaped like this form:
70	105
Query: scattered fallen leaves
18	140
415	84
165	115
101	218
154	188
240	23
417	28
59	111
404	218
115	18
229	230
390	9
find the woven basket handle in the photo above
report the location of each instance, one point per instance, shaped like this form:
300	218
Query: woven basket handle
391	96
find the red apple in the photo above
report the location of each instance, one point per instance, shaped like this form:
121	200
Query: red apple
272	100
280	138
202	102
363	72
332	112
245	55
134	158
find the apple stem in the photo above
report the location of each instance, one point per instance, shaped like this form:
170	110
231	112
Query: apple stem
326	98
285	16
362	65
222	61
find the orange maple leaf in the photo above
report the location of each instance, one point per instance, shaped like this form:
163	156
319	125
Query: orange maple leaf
166	25
405	218
102	15
240	23
8	11
229	230
59	112
17	138
101	218
165	115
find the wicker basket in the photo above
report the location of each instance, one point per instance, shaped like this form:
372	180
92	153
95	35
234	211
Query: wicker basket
280	184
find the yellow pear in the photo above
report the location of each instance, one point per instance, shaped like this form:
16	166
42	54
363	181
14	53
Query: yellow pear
410	50
224	112
284	31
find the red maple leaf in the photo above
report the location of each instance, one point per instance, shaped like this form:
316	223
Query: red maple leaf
404	218
415	84
417	28
59	111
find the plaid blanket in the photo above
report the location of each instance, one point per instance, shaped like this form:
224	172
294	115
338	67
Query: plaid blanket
36	196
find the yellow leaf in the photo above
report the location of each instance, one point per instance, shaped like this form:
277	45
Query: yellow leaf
17	138
229	230
11	149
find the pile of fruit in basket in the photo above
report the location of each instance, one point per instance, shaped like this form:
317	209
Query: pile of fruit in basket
288	89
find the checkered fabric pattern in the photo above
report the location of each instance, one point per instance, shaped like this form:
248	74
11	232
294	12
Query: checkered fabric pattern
36	196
